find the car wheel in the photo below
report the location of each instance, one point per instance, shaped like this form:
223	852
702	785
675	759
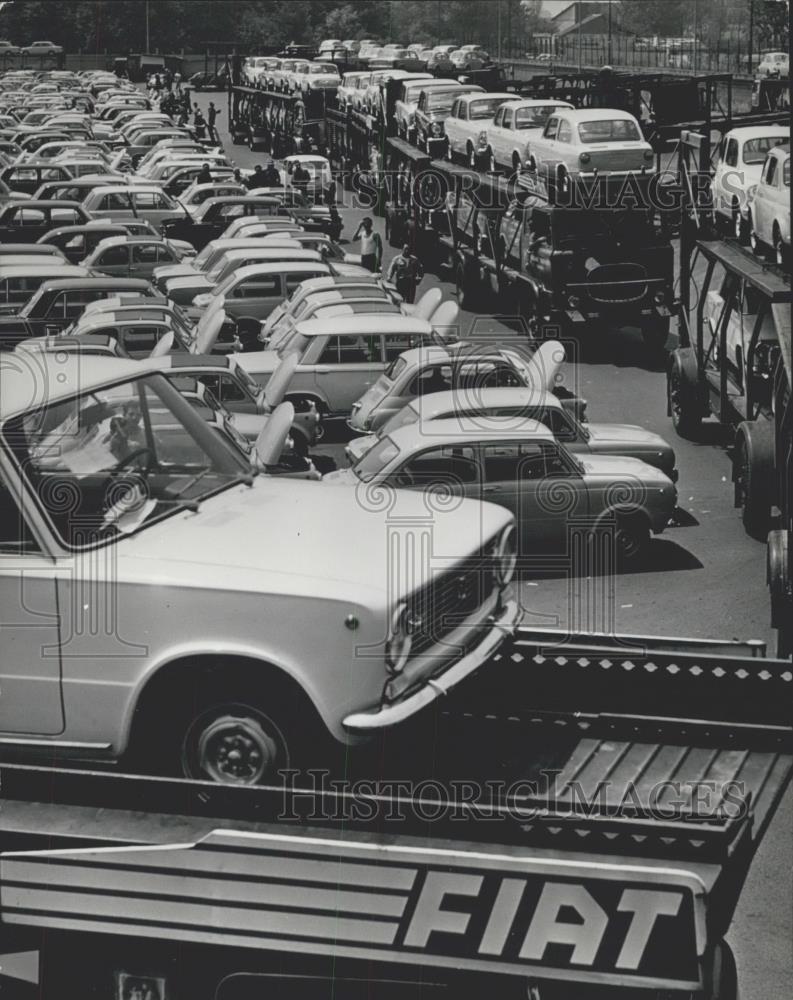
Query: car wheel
780	250
739	225
631	538
515	163
754	240
233	742
753	475
471	157
490	160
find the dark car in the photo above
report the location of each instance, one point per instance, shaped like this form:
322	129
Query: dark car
59	302
214	215
78	188
77	242
28	177
28	221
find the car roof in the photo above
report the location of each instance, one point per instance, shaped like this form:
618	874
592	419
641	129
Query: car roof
466	430
362	326
491	95
598	114
484	398
297	253
91	281
746	132
465	354
26	386
120	188
276	267
538	102
124	239
37	268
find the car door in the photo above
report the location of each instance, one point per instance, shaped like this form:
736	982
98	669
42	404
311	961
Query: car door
143	259
254	297
763	202
114	261
344	367
453	131
566	152
30	664
545	148
449	469
553	498
500	135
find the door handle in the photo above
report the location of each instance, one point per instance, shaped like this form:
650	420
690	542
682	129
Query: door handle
491	489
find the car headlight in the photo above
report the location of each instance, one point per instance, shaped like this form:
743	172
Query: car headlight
203	300
750	191
436	128
400	641
506	556
584	158
482	138
649	155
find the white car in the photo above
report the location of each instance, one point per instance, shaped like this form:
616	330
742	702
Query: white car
256	69
768	215
350	84
315	76
281	76
165	529
513	127
317	166
738	165
407	99
466	126
774	64
586	140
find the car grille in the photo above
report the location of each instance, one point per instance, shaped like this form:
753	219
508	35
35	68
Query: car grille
440	608
617	283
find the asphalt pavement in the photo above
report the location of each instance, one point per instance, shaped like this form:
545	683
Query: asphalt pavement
704	577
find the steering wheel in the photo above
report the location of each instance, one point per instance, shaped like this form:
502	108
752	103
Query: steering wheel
127	459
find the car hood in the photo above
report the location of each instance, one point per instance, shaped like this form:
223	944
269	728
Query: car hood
297	538
187	282
625	434
260	365
170	271
610	466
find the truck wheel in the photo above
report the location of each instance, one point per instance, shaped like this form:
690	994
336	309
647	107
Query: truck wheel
753	463
682	389
778	579
655	334
467	288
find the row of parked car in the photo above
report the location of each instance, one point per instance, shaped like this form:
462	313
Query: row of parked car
169	419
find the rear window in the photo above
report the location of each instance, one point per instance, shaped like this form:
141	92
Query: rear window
756	150
534	117
609	130
484	109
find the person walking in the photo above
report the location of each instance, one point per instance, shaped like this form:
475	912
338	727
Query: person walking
177	82
199	123
212	113
371	245
256	179
272	177
406	272
301	178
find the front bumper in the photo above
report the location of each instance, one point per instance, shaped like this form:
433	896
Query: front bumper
496	630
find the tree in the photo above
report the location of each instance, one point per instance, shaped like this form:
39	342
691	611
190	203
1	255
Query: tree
671	18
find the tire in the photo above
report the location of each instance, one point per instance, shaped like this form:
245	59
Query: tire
516	165
467	291
490	160
723	974
471	157
753	464
228	724
739	228
655	335
682	391
631	538
781	252
778	579
754	242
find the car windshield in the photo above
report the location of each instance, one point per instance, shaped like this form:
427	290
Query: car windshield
119	458
609	130
440	100
323	68
534	117
756	150
485	108
402	418
375	460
